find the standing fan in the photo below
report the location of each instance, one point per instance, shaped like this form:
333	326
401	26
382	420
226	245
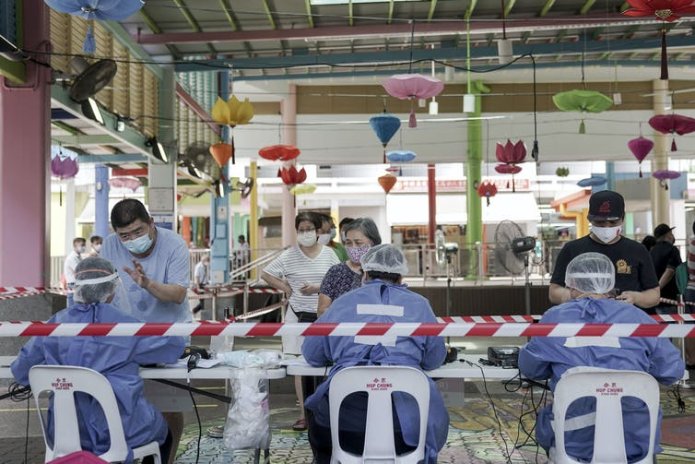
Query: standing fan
512	253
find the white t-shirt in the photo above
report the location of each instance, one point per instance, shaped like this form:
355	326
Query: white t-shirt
299	269
71	262
200	273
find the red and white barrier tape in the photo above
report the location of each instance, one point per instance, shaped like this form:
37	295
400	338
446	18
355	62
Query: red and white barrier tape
28	329
11	293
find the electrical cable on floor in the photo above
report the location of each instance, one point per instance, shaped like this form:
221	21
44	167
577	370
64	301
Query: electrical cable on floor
19	393
192	364
675	393
508	455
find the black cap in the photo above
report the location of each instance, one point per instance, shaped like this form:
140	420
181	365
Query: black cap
661	230
607	205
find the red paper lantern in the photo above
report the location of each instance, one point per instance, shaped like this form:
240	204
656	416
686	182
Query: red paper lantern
279	152
487	190
291	176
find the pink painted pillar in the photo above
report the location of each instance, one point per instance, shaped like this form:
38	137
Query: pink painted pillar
288	108
24	155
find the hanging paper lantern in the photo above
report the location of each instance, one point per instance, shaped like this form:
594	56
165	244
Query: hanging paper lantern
387	181
279	152
291	176
562	172
672	124
413	87
385	127
640	148
125	182
511	154
487	190
400	156
222	152
593	181
664	176
303	189
63	166
96	9
232	113
663	10
583	101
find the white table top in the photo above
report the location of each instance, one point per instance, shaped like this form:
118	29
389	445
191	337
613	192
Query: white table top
169	372
457	369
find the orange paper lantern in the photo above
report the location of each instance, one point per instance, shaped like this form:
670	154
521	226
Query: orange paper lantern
222	152
387	181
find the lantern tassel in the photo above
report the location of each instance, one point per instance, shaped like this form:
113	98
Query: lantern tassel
640	171
664	56
582	127
60	195
673	145
488	200
412	120
383	161
513	184
89	46
233	150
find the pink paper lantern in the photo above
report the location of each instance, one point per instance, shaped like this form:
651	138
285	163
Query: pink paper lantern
412	87
640	148
672	124
128	182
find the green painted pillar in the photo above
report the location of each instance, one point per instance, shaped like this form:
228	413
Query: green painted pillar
474	230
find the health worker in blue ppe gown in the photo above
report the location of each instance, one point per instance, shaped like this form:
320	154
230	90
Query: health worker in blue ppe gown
384	299
117	358
591	278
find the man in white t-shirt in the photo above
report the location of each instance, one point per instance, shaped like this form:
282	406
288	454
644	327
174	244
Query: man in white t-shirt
201	277
79	248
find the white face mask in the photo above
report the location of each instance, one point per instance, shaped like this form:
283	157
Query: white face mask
324	239
606	234
307	239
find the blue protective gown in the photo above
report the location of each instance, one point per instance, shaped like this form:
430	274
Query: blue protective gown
422	352
117	358
549	358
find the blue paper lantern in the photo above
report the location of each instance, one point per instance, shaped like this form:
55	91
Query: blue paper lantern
400	156
97	9
593	181
385	127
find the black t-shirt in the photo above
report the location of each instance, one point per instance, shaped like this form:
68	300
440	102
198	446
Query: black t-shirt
664	255
634	269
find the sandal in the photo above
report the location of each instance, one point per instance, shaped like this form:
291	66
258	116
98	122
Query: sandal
300	425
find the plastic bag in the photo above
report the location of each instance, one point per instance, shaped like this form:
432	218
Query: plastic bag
248	419
257	358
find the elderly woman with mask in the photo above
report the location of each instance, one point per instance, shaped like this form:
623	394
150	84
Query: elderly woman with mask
117	358
360	235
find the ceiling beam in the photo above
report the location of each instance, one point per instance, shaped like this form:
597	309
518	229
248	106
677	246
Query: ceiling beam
118	158
84	140
430	13
309	16
121	35
390	12
398	29
130	136
546	8
586	7
190	19
193	104
451	53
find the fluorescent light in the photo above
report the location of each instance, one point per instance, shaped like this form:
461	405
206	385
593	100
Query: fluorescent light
157	149
90	108
345	2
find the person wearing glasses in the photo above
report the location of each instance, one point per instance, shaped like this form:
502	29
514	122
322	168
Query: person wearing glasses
298	272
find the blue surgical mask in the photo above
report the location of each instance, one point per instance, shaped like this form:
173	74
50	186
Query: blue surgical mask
139	245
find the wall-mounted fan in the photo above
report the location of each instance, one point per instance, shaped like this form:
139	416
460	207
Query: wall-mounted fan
196	158
91	78
244	187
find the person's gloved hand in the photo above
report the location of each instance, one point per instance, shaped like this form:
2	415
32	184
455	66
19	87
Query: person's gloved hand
189	350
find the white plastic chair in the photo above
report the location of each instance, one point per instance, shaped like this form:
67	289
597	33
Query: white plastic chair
64	381
608	386
379	382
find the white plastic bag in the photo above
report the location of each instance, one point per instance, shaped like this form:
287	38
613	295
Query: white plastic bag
248	418
256	358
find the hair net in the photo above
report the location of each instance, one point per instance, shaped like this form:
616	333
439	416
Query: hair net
385	258
590	273
95	280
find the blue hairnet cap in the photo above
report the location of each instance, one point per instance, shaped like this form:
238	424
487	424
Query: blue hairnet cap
385	258
591	273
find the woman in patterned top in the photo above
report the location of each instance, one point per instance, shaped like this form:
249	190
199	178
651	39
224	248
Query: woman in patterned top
360	235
